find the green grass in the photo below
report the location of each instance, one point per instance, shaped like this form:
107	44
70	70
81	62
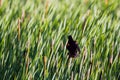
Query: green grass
36	49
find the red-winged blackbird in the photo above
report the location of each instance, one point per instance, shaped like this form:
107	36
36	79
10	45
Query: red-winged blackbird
72	47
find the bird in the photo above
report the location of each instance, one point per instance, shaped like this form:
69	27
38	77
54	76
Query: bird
72	47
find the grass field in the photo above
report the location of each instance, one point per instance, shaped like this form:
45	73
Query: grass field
33	38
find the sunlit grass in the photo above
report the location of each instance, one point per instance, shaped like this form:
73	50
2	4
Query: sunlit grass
33	36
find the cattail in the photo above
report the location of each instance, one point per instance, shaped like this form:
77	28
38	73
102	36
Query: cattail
46	7
51	45
85	1
23	16
106	2
44	62
18	28
0	2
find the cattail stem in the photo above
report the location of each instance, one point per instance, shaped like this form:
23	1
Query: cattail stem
106	2
0	2
23	16
44	63
46	7
27	62
19	29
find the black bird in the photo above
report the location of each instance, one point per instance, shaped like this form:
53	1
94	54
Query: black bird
72	47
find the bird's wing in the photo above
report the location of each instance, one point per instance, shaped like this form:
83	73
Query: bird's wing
67	45
77	46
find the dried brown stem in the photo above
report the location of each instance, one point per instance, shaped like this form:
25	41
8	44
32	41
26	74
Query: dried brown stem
18	29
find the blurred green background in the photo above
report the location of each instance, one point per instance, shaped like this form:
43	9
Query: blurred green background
33	37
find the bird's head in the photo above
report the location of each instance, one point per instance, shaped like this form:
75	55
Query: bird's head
70	37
